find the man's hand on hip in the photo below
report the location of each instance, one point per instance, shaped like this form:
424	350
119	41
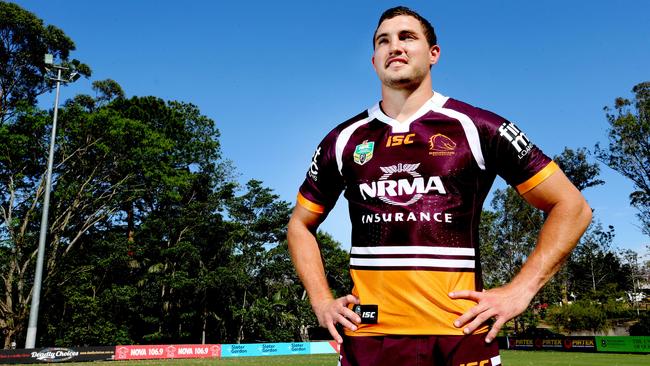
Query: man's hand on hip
501	303
335	311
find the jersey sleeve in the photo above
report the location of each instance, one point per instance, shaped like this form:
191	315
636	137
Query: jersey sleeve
514	157
323	183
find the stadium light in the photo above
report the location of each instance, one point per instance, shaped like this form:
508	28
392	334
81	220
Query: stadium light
30	341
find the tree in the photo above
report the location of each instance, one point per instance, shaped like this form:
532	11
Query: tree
581	315
489	241
118	161
510	233
24	41
583	175
293	314
175	246
594	265
336	262
150	239
258	220
642	327
628	149
575	166
95	297
634	275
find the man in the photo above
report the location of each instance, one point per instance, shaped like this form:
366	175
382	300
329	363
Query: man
416	169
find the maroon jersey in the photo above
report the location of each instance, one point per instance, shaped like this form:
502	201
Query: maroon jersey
415	191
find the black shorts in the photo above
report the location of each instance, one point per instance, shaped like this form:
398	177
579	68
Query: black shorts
441	350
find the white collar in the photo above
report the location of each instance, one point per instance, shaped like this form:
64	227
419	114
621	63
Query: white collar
437	100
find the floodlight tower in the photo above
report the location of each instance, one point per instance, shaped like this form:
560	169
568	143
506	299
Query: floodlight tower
30	342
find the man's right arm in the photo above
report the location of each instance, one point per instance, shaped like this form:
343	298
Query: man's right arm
306	257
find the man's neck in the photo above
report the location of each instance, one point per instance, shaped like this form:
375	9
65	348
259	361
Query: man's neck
400	104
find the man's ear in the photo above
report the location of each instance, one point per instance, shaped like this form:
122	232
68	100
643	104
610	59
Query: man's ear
434	54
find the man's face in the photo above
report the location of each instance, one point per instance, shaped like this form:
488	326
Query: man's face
402	57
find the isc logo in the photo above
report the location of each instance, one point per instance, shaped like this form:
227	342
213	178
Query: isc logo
367	313
478	363
400	140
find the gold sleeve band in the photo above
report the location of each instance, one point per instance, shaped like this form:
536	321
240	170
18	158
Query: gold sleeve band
309	205
538	178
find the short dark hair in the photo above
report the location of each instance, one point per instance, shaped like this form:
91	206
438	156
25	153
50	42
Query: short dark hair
429	32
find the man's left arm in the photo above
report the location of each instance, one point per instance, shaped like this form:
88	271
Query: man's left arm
568	218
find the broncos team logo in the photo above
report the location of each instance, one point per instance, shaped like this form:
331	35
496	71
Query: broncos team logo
441	145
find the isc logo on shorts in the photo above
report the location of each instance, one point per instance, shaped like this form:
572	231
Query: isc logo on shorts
477	363
494	361
367	313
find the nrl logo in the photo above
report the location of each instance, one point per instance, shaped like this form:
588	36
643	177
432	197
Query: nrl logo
363	152
357	310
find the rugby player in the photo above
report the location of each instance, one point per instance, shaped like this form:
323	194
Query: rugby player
415	169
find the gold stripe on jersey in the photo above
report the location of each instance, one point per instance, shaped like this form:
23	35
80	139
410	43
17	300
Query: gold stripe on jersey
412	302
538	178
309	205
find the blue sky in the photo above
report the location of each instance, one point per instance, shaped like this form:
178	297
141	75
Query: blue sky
277	76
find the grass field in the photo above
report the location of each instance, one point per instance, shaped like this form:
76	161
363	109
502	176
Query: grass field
509	358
